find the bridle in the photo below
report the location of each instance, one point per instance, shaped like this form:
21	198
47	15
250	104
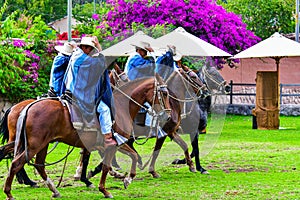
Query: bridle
159	91
119	79
200	90
219	84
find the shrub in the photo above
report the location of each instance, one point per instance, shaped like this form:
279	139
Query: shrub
25	58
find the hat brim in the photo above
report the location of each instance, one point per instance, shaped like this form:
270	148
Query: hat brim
177	57
61	49
91	45
139	47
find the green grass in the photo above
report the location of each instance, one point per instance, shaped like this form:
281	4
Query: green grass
244	164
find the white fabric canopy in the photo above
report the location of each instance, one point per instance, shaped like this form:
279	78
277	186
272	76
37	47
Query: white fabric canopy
189	45
123	47
274	46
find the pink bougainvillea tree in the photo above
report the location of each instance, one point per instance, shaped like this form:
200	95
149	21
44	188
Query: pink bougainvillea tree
203	18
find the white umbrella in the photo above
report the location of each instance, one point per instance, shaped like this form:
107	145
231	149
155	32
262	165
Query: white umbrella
123	47
276	47
189	45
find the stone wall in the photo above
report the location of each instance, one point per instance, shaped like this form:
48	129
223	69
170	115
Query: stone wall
246	109
252	90
4	105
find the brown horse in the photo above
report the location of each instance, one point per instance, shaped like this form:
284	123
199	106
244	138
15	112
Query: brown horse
180	82
49	120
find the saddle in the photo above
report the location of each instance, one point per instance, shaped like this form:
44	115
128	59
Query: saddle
79	122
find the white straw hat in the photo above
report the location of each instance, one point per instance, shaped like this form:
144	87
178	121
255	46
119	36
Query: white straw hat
89	41
141	45
177	56
66	49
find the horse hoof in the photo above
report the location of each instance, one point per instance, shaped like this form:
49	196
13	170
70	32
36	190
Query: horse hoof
35	186
205	172
154	174
91	186
176	161
11	198
192	169
110	196
127	182
56	195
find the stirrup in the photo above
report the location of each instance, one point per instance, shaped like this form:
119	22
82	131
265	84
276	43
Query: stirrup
161	133
120	139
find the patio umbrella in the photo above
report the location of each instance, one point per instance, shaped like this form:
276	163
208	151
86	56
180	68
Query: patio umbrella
190	45
275	47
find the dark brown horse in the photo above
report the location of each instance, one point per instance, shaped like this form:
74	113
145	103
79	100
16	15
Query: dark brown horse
181	82
216	84
49	120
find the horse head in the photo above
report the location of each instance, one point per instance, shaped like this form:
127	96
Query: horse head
162	99
194	81
213	80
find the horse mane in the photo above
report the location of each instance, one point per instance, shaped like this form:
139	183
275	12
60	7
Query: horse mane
127	88
177	85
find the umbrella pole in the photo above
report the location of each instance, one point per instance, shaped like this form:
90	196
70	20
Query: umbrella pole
277	59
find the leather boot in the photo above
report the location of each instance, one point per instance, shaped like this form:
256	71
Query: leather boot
109	140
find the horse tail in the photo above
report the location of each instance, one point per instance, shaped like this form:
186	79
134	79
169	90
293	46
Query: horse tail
4	133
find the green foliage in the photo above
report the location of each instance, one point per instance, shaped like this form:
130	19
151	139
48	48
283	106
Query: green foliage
50	10
264	17
25	58
3	8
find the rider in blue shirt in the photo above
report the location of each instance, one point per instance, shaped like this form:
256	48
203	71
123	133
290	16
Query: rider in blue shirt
59	67
87	80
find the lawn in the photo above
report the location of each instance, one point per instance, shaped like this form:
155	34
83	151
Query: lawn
243	164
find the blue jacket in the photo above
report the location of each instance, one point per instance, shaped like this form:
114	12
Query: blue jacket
81	79
165	65
137	67
59	67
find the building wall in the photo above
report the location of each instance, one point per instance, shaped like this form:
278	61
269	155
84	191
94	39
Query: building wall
289	70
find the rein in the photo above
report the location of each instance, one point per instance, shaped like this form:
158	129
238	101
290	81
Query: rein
157	93
119	78
219	84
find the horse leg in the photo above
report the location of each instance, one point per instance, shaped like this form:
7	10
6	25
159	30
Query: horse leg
78	172
17	163
6	149
109	152
22	177
97	170
195	152
114	162
158	144
126	149
139	161
85	161
40	167
184	147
